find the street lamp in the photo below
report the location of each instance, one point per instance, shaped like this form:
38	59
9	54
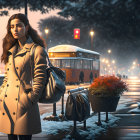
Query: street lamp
134	63
113	61
47	32
109	54
109	51
91	35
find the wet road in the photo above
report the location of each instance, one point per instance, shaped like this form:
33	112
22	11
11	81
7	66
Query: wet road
128	128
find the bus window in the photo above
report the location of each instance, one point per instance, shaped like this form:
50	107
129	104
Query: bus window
91	65
78	64
72	63
96	65
66	63
55	62
86	64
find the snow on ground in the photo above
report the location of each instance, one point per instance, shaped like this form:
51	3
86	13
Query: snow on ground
135	110
122	103
54	127
51	127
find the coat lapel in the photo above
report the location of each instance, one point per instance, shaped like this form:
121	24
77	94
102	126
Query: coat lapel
11	60
27	47
12	50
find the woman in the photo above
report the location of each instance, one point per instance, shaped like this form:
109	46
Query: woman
19	112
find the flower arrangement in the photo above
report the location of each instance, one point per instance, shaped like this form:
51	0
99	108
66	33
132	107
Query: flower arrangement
107	86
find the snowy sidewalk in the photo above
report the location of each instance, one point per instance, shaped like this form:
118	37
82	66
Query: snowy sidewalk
60	130
52	130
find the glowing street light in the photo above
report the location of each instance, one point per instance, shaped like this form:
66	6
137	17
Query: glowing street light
109	51
113	61
46	30
107	61
134	63
91	35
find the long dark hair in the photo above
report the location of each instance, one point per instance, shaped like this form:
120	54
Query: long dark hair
9	41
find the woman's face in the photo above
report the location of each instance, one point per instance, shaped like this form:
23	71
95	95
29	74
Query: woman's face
18	29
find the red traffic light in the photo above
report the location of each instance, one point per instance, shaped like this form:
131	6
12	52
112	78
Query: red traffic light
77	33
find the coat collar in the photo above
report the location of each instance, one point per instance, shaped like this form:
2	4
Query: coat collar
28	45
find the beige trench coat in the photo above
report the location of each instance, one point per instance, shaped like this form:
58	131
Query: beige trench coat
19	112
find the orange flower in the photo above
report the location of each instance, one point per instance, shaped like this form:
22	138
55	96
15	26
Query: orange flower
107	86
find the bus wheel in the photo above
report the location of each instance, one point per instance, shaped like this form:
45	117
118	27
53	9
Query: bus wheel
81	77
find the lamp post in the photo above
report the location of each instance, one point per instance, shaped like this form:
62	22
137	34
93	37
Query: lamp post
109	54
26	6
47	32
91	35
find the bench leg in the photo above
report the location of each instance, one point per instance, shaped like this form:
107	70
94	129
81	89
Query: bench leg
106	117
85	125
74	133
99	119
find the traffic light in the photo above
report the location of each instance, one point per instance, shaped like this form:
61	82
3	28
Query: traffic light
76	33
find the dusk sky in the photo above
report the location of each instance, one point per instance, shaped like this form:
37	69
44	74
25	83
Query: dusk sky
34	18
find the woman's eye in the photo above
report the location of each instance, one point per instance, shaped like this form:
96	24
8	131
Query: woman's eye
19	25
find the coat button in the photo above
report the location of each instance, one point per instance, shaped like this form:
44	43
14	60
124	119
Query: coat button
17	68
5	95
7	69
14	113
17	86
7	85
16	79
3	113
16	99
